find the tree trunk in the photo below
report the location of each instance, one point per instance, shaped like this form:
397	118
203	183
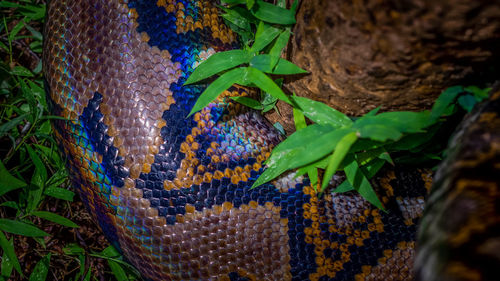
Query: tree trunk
395	54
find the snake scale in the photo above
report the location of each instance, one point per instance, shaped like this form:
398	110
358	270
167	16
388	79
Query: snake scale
173	193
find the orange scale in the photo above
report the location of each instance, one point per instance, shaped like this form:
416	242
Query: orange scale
345	256
207	177
380	228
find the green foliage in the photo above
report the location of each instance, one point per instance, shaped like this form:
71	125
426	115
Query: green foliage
259	57
121	269
358	146
32	172
333	142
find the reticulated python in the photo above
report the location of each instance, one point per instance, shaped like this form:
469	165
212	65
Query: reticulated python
173	193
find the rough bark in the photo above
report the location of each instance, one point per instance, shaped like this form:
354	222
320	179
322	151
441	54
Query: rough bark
395	54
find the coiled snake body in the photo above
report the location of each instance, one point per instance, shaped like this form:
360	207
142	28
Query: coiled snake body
173	193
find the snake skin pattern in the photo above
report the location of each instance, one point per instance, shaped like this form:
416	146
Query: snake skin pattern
173	193
459	237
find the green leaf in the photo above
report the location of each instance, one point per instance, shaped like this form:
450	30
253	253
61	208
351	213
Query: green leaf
279	127
279	45
413	141
313	176
9	251
111	254
37	181
118	271
318	164
262	63
467	102
221	84
266	84
5	128
367	156
15	30
265	63
33	11
37	35
380	132
321	113
250	4
264	36
402	121
6	267
373	112
341	150
359	181
254	104
41	269
294	152
39	166
299	119
73	249
372	168
21	228
284	67
294	7
38	92
234	2
54	218
237	19
345	186
8	182
218	62
303	136
443	101
5	4
386	157
10	204
273	14
21	71
60	193
479	94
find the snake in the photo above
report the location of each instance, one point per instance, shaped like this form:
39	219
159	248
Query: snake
173	193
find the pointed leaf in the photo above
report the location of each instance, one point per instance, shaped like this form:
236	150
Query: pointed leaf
345	186
221	84
300	153
372	168
299	119
273	14
9	251
467	102
264	36
442	102
54	218
254	104
321	113
6	127
341	150
21	71
402	121
380	132
359	181
41	269
261	80
280	43
60	193
21	228
218	62
284	67
8	182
